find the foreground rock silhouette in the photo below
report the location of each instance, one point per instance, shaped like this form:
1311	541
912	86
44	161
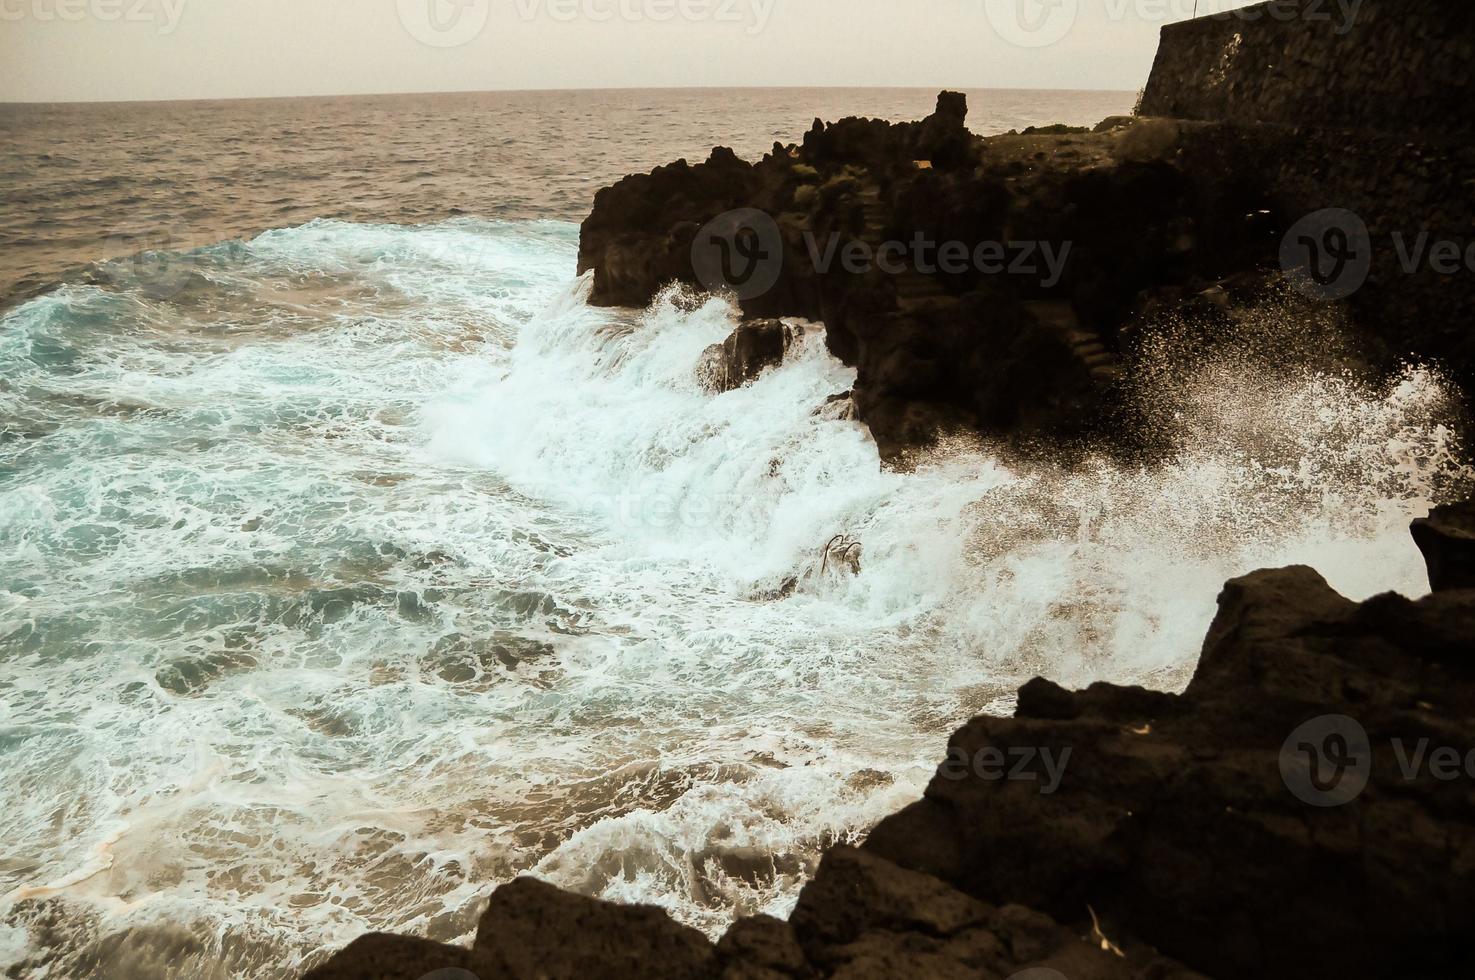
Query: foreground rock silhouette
1447	539
1187	835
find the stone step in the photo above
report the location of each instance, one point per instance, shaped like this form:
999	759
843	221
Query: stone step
911	284
919	304
1086	345
1058	314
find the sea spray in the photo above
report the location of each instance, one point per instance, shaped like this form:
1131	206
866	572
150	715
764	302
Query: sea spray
378	567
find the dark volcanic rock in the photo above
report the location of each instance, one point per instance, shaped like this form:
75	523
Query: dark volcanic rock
641	231
973	283
539	931
1447	539
864	916
1188	822
378	956
533	931
1003	336
762	948
751	349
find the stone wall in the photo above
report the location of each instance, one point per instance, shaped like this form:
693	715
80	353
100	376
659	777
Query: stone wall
1391	65
1357	106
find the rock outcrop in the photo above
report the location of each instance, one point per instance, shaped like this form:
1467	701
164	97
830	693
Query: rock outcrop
862	917
1197	823
533	931
1304	808
993	283
973	283
751	349
1447	539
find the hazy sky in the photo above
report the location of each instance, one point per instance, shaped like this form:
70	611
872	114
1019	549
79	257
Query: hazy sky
165	49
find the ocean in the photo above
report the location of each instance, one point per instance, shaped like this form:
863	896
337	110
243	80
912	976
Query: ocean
350	563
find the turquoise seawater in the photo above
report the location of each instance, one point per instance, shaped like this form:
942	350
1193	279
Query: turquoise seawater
350	568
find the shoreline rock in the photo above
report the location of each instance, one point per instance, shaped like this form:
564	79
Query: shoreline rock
751	349
1447	539
1155	212
976	284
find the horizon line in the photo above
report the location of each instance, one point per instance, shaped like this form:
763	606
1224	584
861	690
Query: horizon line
527	91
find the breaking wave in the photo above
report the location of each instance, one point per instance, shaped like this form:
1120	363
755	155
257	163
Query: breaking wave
355	568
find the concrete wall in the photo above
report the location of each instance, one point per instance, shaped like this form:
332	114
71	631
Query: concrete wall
1387	65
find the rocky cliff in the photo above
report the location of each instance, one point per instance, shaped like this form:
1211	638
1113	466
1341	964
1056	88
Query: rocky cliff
973	283
995	283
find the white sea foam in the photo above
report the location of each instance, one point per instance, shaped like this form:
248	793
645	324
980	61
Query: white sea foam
381	568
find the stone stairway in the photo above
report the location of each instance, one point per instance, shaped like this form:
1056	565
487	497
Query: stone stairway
913	289
875	213
1104	366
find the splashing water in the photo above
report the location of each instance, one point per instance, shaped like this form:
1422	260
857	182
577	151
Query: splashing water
364	567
